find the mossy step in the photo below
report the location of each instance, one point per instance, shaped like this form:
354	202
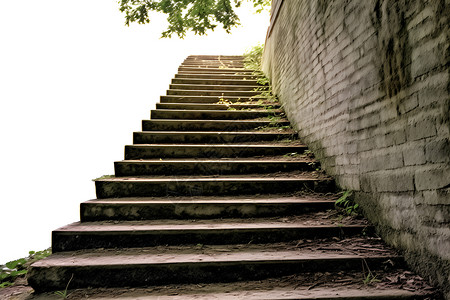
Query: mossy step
218	93
213	60
210	151
209	167
132	209
212	76
215	106
215	81
207	137
210	125
208	62
209	185
221	87
211	70
215	57
210	99
203	61
205	264
150	233
212	114
213	64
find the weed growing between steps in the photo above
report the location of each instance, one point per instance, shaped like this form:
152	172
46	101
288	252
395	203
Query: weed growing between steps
346	204
64	294
18	268
276	124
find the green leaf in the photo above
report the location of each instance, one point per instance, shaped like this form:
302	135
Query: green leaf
18	273
198	16
16	263
4	276
5	284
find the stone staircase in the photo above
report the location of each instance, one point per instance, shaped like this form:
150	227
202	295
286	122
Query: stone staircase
217	199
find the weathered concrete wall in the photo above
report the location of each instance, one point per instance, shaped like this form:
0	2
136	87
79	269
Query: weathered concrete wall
366	83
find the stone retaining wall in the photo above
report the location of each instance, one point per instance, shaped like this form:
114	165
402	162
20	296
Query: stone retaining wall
366	83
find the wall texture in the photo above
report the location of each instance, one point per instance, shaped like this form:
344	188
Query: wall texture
366	83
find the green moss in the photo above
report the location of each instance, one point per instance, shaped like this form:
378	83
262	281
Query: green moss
19	267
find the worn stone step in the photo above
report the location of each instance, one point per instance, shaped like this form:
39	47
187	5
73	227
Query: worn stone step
209	125
218	93
208	99
220	87
215	57
206	61
215	68
132	209
210	70
208	106
185	114
210	151
200	76
214	64
211	59
208	137
150	233
197	81
235	291
155	186
210	167
166	265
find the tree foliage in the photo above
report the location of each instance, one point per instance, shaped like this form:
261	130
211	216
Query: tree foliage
198	16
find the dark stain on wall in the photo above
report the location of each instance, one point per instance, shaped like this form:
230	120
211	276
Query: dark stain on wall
394	50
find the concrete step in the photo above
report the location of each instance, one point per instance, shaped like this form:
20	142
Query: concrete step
200	76
207	99
176	265
185	114
211	87
208	106
209	151
150	233
154	186
207	125
218	93
196	81
133	209
207	137
210	167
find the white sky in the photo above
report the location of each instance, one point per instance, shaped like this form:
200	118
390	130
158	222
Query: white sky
74	84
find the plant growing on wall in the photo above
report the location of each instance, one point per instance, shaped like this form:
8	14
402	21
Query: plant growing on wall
253	61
